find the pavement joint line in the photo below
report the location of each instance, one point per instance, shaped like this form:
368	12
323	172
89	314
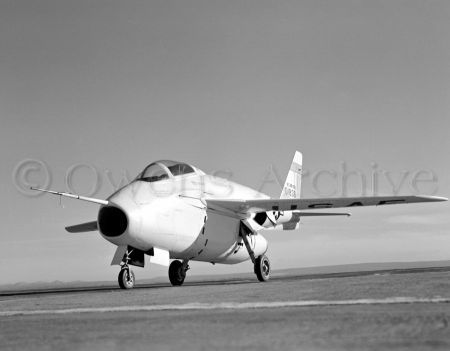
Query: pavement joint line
228	305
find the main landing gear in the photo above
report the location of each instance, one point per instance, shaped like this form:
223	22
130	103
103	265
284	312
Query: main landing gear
262	268
261	264
177	272
126	275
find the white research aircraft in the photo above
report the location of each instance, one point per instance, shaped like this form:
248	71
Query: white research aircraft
173	210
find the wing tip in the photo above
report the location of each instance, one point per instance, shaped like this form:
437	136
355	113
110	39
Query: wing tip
433	198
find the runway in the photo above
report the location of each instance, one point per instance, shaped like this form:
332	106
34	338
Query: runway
361	311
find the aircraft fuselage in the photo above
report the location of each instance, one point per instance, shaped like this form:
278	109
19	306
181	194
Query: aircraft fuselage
170	215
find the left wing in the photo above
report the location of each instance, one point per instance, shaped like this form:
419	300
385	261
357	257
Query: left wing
244	207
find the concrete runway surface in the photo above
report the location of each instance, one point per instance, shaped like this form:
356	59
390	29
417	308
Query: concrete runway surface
357	311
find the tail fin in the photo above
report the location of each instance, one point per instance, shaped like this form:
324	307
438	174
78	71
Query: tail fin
293	183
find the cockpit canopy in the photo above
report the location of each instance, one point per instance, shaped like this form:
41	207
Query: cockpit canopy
164	169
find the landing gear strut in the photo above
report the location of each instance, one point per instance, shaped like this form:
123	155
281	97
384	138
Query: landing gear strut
177	272
261	264
126	275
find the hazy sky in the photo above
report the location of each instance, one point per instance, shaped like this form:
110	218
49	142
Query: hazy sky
231	86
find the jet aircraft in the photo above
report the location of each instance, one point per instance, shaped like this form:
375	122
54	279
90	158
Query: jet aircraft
174	211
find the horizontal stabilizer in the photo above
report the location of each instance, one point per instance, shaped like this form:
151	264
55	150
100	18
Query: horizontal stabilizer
317	214
291	222
83	227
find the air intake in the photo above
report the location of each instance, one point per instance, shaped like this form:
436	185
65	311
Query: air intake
112	221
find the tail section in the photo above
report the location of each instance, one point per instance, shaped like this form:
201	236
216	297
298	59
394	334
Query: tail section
285	220
292	185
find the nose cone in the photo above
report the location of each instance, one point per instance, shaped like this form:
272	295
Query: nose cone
120	221
112	221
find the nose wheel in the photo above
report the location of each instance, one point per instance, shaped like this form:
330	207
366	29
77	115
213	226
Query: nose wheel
177	272
126	278
126	275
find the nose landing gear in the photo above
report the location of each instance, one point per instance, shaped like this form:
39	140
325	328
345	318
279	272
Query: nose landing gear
126	278
126	275
177	272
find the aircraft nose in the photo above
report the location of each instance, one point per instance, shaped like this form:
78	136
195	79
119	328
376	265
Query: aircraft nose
112	221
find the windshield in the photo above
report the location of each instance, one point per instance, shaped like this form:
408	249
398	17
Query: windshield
163	170
177	168
180	168
153	173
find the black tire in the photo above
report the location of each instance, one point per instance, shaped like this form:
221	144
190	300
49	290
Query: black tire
126	281
262	268
176	273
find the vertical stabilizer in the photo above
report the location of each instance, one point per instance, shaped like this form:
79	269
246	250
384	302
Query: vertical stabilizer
292	185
